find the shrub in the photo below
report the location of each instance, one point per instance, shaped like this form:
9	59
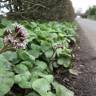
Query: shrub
58	10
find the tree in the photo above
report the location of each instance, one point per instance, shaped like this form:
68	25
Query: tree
40	9
91	12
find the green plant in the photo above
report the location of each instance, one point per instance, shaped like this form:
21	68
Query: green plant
32	67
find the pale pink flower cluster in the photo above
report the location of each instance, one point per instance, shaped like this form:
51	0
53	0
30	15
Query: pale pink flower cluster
16	38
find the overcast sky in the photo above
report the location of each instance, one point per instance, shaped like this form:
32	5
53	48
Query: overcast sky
83	4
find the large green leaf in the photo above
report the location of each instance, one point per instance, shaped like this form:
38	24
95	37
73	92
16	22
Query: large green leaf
45	45
36	74
6	76
65	61
20	68
42	86
23	79
40	65
36	51
24	55
23	76
49	53
28	64
1	43
10	56
49	78
4	63
1	32
62	91
32	94
59	51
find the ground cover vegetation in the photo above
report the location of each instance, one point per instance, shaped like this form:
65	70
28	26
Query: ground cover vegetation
29	54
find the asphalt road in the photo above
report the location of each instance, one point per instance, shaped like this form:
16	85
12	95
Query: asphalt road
86	58
89	29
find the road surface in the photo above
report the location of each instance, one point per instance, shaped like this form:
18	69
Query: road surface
89	28
86	81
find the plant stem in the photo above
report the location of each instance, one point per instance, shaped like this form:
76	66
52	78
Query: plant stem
1	50
4	49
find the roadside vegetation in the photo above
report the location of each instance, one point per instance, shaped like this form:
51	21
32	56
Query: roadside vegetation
29	54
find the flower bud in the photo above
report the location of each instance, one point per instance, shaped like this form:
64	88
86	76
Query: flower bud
21	45
7	32
21	32
8	39
22	39
17	28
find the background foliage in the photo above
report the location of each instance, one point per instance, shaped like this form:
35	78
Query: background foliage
40	9
91	13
